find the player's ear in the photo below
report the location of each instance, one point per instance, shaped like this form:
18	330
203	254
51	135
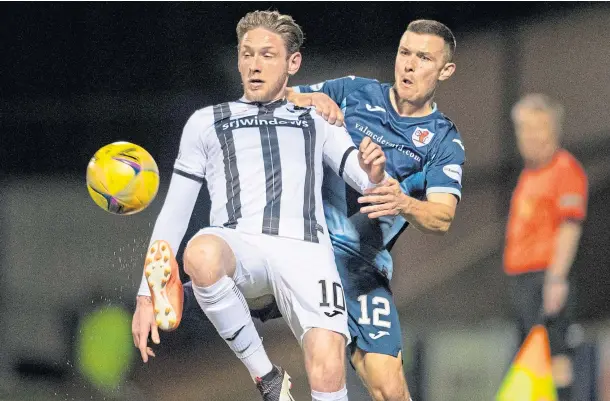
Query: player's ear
447	71
294	63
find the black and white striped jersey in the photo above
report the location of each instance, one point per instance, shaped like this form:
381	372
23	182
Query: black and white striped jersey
263	165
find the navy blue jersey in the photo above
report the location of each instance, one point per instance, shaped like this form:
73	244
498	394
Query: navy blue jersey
425	154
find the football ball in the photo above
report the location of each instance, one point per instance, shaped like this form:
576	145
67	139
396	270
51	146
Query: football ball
122	178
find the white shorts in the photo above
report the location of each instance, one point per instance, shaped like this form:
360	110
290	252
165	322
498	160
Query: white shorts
302	276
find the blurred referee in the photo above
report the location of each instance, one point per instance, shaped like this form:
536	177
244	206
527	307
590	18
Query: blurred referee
547	210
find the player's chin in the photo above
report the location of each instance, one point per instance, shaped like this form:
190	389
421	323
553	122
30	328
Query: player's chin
257	95
406	92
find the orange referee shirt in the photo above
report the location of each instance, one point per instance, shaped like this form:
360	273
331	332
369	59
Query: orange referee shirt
544	197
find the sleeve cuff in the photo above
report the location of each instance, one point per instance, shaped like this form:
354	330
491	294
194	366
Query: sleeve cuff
574	215
371	185
445	190
144	290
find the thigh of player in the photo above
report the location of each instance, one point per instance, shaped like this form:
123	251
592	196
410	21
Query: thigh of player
251	271
307	287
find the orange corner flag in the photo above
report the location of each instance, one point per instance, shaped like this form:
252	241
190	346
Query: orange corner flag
529	377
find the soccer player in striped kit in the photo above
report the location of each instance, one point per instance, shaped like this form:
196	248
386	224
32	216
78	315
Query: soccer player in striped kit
262	158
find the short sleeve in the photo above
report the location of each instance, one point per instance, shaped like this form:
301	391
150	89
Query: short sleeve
444	171
192	157
572	193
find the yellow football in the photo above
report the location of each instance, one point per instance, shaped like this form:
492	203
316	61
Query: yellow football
122	178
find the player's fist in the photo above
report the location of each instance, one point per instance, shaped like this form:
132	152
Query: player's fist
372	160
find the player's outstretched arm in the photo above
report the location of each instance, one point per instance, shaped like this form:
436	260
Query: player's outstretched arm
433	216
443	184
172	222
325	106
329	96
170	226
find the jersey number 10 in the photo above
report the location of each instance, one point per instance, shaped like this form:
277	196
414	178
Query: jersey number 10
338	299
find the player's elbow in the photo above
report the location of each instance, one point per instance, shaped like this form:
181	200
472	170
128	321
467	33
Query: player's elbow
441	230
436	230
442	226
441	219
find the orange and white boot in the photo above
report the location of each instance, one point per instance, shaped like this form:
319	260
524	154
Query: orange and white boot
163	277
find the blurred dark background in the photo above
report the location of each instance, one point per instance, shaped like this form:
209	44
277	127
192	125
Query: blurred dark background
77	76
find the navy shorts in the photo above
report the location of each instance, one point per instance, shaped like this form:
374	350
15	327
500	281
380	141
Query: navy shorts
372	315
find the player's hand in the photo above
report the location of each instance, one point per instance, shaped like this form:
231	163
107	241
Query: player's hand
372	160
142	325
385	200
554	295
327	108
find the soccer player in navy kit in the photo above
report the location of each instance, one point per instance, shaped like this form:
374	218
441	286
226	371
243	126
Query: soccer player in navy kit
425	156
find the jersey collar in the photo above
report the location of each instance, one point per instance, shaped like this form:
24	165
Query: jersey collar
270	105
397	117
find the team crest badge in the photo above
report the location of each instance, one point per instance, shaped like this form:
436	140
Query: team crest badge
421	137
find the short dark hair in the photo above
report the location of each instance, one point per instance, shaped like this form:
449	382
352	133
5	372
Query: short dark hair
273	21
431	27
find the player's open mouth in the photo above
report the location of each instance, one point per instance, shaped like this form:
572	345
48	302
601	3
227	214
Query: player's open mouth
406	82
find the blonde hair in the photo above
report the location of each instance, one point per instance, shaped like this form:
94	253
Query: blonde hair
544	103
273	21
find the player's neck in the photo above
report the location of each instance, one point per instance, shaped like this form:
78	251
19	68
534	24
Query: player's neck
404	108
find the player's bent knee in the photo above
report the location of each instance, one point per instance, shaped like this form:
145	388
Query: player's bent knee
325	359
326	375
208	258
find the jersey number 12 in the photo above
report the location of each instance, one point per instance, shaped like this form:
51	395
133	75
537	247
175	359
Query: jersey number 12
382	308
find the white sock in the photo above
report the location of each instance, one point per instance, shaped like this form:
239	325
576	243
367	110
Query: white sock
340	395
226	307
